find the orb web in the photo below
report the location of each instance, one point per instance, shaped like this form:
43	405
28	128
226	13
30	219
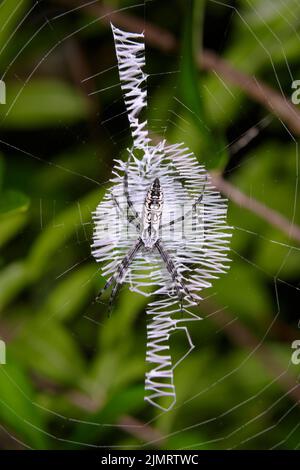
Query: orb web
193	226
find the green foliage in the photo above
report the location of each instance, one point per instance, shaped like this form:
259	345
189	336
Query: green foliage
43	103
74	374
11	15
212	146
12	202
47	348
11	226
18	408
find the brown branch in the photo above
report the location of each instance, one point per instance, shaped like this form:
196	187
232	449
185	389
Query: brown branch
279	105
9	440
163	40
270	215
140	430
154	35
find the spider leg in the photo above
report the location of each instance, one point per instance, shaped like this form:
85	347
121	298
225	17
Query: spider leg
179	283
113	294
188	213
122	211
134	217
120	272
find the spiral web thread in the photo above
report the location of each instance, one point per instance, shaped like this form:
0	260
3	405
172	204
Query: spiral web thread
198	246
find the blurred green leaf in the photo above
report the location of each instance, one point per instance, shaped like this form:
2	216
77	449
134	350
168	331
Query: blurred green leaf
48	348
119	325
107	373
213	148
18	409
250	301
11	226
2	166
52	177
72	292
11	12
122	403
275	252
13	278
13	201
55	235
42	103
189	74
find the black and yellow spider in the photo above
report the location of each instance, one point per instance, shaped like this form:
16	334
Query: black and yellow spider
149	228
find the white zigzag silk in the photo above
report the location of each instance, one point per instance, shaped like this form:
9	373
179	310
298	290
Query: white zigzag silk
198	245
130	50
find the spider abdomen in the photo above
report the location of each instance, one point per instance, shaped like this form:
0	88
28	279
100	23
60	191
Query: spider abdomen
152	212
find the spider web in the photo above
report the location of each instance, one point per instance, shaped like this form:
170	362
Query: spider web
283	408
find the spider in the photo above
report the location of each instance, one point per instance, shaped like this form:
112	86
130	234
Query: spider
148	227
